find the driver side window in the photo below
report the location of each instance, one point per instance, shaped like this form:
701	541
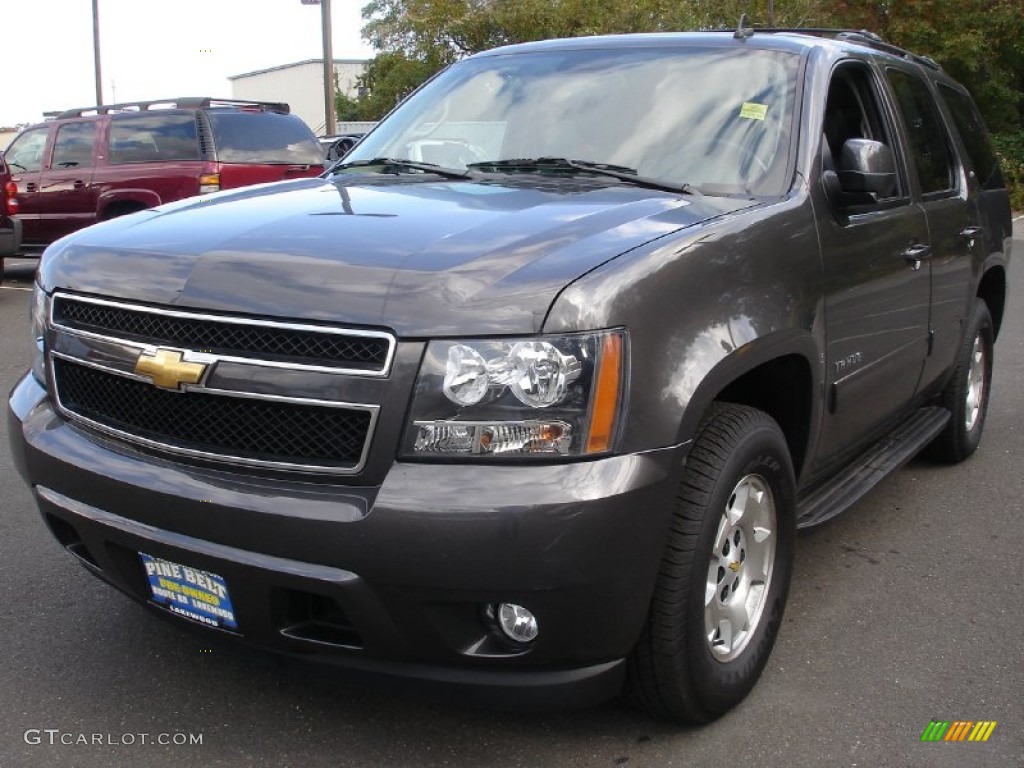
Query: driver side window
25	155
852	112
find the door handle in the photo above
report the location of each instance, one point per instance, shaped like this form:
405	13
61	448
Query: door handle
79	184
916	253
30	187
970	233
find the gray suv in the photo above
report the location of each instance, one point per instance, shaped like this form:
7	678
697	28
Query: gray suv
530	394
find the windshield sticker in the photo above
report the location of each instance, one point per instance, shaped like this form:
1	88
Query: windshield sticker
752	111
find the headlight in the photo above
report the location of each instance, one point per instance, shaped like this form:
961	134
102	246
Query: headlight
37	315
545	396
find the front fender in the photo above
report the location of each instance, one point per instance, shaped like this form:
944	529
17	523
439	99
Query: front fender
703	307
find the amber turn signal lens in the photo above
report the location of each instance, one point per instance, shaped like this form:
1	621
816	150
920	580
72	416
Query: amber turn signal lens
606	396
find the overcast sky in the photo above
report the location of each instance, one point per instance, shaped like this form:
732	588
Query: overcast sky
154	48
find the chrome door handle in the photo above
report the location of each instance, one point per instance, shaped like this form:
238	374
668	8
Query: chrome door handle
916	253
970	233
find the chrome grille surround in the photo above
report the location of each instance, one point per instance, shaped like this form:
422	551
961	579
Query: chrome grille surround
113	356
223	323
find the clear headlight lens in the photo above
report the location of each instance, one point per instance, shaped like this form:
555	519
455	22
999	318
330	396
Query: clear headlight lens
465	379
37	315
540	374
555	395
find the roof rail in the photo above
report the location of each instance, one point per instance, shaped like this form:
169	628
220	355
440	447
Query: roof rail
859	36
184	102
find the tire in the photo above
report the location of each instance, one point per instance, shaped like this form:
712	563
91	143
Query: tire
966	393
683	668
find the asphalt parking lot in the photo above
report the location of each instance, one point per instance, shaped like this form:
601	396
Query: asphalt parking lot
903	611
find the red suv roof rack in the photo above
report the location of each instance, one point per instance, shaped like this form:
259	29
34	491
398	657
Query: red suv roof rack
185	102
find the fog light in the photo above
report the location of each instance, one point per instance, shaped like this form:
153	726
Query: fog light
517	622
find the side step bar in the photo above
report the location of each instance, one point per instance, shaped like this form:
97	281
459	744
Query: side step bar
824	502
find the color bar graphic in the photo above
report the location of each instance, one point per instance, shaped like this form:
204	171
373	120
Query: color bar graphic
958	730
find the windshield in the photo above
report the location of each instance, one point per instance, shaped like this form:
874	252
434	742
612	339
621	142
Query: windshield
716	118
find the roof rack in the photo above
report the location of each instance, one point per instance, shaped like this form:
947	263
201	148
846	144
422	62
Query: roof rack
185	102
859	36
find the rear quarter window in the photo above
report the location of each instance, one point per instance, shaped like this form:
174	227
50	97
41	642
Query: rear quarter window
153	138
974	136
263	137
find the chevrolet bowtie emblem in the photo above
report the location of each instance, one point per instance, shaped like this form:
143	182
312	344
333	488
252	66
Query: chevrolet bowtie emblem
168	370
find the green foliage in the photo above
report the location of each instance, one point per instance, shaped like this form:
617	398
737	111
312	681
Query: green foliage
391	76
346	108
1010	149
979	42
416	38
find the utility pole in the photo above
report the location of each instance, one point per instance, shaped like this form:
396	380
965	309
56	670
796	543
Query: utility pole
330	124
771	13
96	50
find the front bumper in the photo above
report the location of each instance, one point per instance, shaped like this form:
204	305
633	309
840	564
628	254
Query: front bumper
393	578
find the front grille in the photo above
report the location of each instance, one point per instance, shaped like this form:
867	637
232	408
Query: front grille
253	430
262	340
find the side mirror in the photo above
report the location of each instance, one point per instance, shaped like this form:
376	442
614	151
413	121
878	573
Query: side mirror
867	166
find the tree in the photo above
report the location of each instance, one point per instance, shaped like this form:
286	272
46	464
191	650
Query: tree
345	107
417	38
978	41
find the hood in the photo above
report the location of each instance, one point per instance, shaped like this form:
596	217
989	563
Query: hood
420	257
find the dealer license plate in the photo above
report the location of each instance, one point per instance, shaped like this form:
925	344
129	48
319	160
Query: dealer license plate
198	595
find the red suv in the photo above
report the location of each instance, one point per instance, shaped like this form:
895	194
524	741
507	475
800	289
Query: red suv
95	163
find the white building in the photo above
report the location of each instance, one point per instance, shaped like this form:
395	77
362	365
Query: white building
301	85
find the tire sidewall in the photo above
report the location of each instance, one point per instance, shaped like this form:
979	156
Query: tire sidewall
981	324
721	685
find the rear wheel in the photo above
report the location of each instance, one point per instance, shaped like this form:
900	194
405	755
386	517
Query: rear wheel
966	393
724	577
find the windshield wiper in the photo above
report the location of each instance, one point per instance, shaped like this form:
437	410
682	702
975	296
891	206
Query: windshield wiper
394	162
584	166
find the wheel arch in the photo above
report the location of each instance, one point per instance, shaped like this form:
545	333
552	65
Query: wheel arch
777	376
992	288
126	202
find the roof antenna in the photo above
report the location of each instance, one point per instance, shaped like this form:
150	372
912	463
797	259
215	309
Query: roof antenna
743	29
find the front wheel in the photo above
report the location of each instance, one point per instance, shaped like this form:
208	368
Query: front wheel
725	573
966	392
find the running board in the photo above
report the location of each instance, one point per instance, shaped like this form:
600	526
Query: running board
871	467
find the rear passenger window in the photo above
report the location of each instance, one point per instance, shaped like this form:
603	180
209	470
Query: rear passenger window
73	147
153	138
974	136
928	140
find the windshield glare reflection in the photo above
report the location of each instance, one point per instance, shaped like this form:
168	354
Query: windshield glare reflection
716	118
